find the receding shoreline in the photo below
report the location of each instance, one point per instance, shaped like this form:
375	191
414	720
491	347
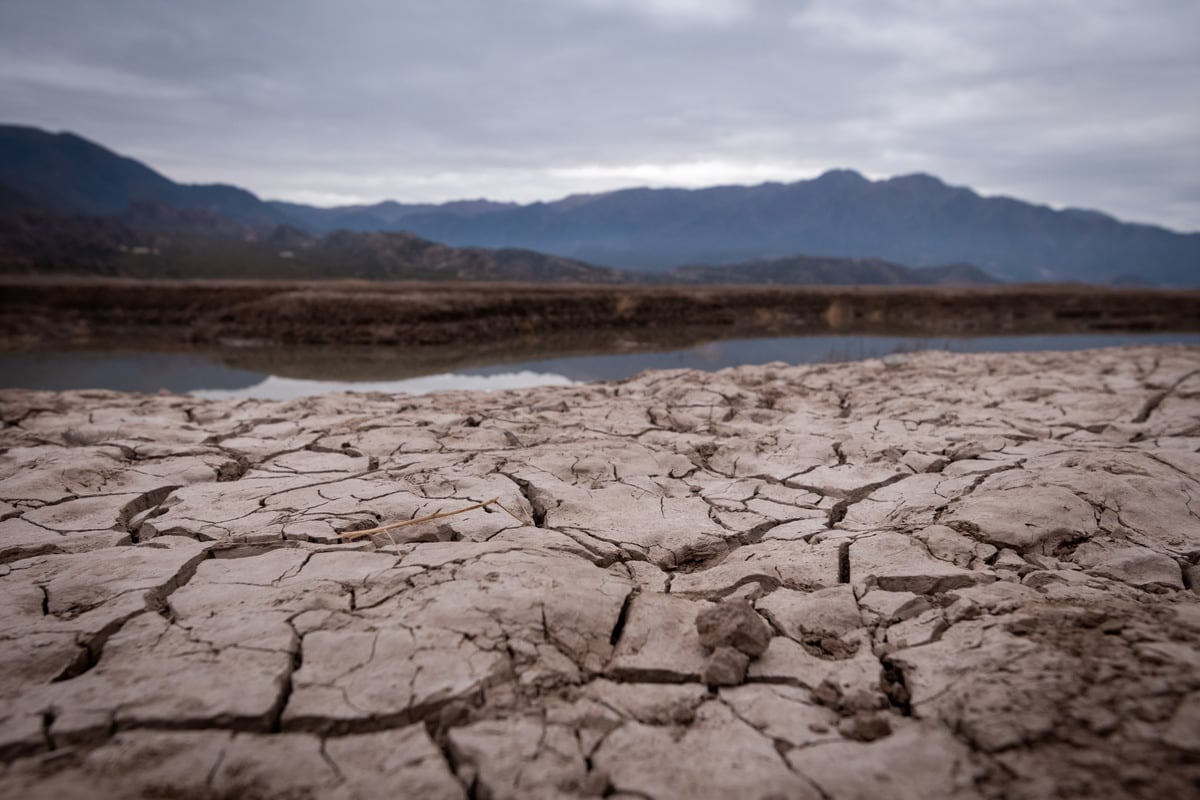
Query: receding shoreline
182	313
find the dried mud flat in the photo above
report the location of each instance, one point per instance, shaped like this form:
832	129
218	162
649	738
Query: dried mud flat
977	575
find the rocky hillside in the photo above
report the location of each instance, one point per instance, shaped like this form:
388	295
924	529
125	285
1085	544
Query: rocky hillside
46	243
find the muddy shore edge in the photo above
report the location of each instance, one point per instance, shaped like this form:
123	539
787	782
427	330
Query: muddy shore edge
446	314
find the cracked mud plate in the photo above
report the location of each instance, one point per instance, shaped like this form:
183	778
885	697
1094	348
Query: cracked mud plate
979	575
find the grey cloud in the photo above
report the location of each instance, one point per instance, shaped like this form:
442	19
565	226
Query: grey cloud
1079	102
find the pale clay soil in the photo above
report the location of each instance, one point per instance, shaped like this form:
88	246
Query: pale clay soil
976	576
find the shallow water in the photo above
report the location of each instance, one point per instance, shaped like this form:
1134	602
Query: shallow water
213	375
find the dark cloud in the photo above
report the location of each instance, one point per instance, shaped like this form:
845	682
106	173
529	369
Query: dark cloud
1087	103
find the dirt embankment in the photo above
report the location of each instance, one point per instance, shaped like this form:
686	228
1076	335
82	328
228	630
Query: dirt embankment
439	313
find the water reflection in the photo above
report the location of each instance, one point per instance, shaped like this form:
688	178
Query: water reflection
299	372
275	388
819	349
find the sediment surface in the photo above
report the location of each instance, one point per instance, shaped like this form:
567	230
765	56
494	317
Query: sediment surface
975	576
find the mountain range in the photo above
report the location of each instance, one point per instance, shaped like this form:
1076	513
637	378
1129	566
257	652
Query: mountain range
915	220
743	233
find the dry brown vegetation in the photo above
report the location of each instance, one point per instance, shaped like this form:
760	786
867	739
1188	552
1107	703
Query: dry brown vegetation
432	314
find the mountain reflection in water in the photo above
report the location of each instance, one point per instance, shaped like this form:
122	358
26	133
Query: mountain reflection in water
300	372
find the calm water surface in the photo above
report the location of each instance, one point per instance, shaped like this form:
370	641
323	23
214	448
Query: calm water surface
210	375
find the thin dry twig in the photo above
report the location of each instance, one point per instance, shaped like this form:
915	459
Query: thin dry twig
495	501
504	508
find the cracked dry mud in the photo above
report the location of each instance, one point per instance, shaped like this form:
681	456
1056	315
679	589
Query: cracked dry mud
980	574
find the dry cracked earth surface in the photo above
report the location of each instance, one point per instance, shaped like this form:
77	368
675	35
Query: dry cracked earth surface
975	576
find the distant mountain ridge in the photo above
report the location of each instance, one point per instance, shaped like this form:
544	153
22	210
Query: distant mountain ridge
69	174
380	216
914	220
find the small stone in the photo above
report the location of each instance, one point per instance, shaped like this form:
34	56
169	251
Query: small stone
733	623
828	694
865	726
726	667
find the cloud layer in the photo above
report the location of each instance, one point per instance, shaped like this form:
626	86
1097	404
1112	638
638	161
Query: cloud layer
1086	103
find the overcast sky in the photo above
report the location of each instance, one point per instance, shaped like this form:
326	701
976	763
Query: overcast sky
1089	103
